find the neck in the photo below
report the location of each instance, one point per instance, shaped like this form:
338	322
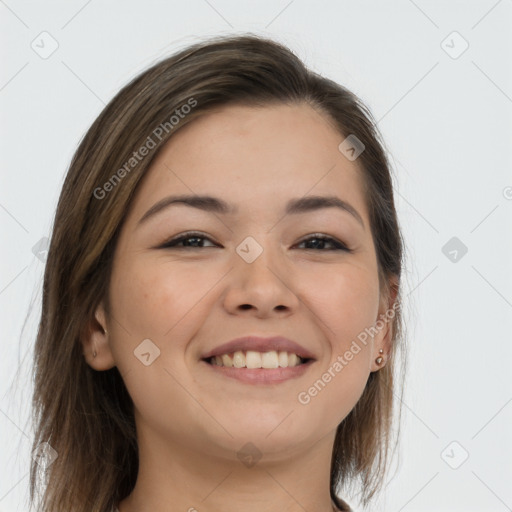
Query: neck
181	476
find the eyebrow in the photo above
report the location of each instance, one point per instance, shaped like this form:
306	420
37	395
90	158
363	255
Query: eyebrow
215	205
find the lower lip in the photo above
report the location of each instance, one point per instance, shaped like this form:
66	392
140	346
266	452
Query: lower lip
261	375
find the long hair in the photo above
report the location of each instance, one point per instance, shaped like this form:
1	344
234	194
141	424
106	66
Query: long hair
86	416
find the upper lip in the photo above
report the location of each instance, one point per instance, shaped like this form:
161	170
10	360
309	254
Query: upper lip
260	345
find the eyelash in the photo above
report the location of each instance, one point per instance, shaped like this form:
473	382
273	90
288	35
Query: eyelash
338	246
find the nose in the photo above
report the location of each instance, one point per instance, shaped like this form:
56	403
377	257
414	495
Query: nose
262	288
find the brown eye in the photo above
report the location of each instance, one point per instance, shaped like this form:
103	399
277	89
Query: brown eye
195	240
191	240
318	242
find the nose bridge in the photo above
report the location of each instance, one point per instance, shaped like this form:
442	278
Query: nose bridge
260	253
260	278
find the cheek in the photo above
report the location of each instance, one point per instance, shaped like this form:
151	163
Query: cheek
151	297
346	300
156	301
346	303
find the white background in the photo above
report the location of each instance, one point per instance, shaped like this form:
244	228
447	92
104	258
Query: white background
447	123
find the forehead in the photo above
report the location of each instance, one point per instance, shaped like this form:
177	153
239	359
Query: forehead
254	157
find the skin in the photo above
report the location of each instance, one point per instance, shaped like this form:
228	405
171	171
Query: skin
191	422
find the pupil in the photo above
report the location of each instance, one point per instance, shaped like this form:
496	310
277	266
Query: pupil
192	238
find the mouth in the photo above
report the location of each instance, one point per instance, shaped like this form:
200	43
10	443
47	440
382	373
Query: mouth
252	359
252	346
262	368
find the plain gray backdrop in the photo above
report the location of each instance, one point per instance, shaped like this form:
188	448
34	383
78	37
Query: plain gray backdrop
437	77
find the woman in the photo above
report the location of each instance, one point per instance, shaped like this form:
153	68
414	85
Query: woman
220	320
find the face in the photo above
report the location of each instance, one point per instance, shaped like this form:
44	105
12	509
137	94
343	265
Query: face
254	269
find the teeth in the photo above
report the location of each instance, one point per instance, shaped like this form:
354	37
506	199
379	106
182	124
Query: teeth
226	361
269	360
253	359
238	359
293	360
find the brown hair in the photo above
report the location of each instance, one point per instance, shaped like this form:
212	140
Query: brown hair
86	416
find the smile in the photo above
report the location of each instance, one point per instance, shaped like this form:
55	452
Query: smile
259	367
253	359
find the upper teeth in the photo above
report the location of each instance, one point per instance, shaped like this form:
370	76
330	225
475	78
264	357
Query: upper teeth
253	359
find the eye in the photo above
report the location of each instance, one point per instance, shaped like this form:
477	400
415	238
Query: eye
319	242
322	240
186	238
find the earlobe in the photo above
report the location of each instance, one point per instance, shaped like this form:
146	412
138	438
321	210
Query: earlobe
380	359
384	339
94	353
95	343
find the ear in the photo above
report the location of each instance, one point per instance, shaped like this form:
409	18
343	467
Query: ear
95	343
384	324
